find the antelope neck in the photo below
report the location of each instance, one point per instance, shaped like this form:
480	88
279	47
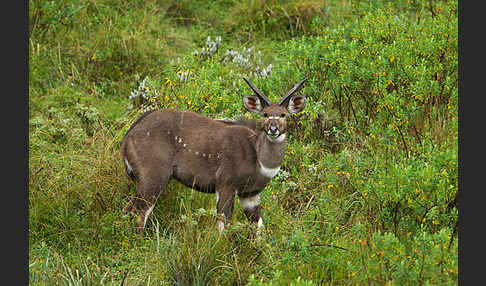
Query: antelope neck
270	152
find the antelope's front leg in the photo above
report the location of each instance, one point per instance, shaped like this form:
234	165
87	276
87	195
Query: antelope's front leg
225	201
251	207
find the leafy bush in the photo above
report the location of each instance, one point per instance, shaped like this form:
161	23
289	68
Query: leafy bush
209	73
424	259
278	19
407	195
394	92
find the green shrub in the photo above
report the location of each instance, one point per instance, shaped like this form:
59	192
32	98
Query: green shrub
396	93
422	259
278	19
406	195
96	44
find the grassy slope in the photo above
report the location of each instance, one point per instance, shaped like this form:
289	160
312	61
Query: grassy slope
327	215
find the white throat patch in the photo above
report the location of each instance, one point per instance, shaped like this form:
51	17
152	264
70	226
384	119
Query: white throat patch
268	172
279	139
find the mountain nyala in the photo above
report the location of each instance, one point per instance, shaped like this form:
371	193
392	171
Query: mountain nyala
227	157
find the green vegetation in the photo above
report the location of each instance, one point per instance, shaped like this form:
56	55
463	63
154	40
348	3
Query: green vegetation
367	192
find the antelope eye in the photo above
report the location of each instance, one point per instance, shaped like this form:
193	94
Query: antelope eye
282	115
265	115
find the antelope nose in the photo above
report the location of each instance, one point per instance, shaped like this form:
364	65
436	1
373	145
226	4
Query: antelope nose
273	128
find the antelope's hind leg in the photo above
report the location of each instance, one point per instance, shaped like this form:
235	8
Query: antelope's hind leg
150	186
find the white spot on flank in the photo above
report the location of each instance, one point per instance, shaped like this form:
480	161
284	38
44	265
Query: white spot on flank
147	213
148	133
250	203
268	172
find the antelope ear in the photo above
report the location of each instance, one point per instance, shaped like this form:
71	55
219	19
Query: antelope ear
296	103
252	103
